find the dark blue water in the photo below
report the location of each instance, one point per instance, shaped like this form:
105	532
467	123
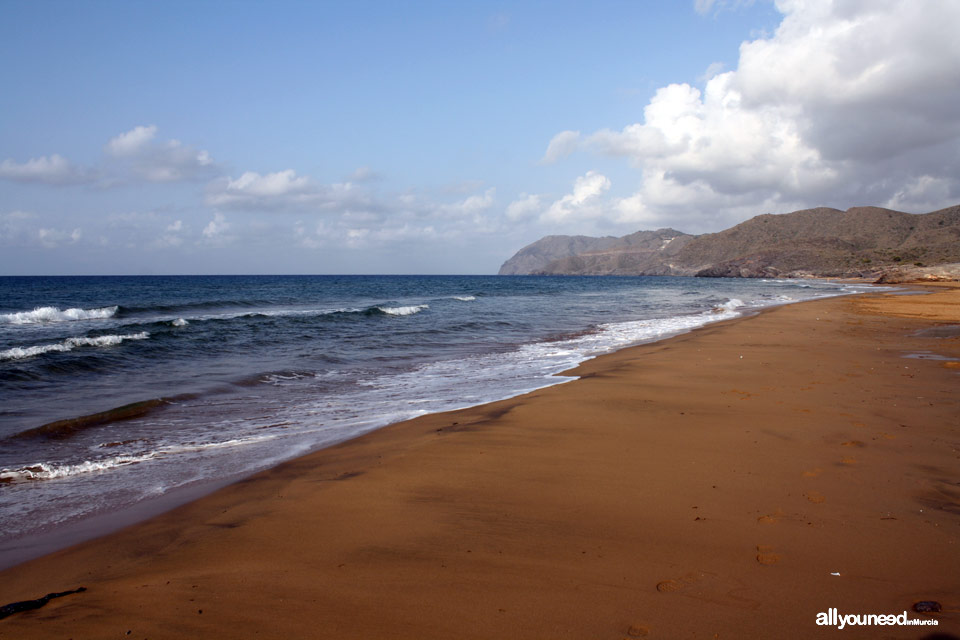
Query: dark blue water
229	375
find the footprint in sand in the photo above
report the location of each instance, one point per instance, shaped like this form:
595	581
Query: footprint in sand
812	474
709	587
638	631
668	586
852	443
765	555
848	460
815	497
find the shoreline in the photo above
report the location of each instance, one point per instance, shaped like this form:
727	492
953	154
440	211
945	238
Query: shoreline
623	500
42	542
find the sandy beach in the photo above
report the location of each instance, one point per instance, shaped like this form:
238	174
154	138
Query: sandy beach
732	482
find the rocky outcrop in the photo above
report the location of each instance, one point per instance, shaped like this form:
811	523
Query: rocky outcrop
859	242
940	273
650	252
534	257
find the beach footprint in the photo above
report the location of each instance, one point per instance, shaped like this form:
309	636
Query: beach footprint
638	630
709	587
766	556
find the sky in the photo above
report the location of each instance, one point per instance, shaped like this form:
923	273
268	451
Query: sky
377	137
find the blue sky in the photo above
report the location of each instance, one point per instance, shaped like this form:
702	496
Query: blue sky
438	137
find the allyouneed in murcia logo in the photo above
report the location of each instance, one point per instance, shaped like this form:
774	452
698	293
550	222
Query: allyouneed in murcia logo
832	618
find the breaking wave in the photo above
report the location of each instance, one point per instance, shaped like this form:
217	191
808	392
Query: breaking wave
54	314
729	305
53	470
69	344
49	471
404	311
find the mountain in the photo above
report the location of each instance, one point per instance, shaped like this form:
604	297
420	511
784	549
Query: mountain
861	241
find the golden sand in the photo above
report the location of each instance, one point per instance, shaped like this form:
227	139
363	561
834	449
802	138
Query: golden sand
732	482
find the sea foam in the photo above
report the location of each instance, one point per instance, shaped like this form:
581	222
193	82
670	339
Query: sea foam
69	344
404	311
54	314
51	471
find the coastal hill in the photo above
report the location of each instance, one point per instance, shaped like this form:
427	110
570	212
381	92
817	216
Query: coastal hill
821	242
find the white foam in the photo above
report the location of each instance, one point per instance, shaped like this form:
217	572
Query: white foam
404	311
69	344
52	471
729	305
465	298
179	322
53	314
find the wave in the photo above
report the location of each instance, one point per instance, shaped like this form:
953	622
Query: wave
51	471
403	311
179	322
18	353
729	305
465	298
42	315
65	428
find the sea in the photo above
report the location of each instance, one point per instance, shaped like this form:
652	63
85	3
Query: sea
116	392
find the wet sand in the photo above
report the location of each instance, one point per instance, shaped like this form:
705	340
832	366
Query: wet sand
707	486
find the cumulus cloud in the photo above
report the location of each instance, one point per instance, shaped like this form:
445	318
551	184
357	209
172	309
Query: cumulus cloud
147	158
561	146
846	103
216	227
526	206
285	190
131	142
406	219
54	169
472	205
583	202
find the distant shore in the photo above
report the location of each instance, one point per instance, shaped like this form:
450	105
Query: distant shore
734	481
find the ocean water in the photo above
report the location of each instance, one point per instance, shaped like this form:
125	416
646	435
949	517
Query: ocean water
119	390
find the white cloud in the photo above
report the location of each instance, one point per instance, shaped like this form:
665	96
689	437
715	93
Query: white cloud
53	238
146	158
846	103
54	169
132	142
712	70
526	206
924	193
364	174
172	235
286	191
704	7
583	203
472	205
561	146
217	227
